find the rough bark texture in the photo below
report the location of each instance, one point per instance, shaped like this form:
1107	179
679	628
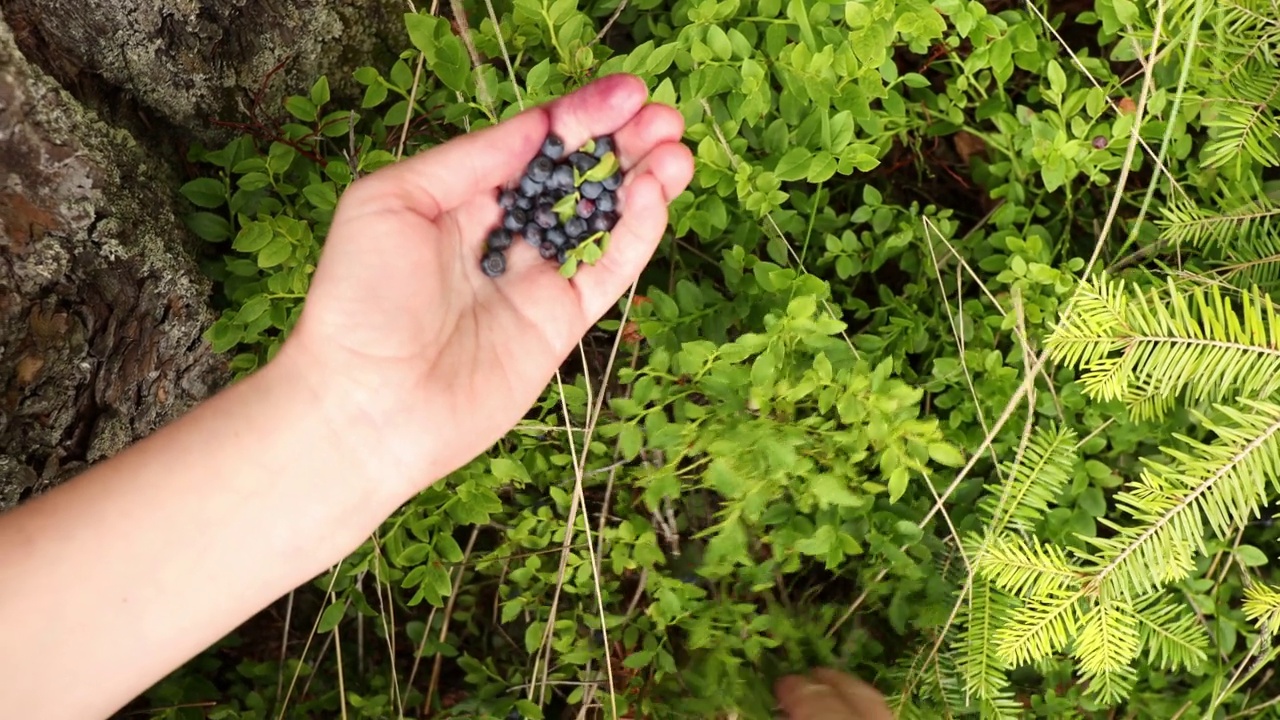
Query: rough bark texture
101	306
192	60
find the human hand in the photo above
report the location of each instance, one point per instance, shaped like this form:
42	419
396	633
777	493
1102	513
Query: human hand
829	695
402	329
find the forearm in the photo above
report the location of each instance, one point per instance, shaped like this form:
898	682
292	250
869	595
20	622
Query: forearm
122	574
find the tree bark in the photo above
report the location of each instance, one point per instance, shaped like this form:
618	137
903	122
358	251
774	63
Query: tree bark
190	61
101	305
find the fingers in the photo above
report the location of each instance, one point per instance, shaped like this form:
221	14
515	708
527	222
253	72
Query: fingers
802	699
829	695
443	178
652	126
660	176
600	107
865	699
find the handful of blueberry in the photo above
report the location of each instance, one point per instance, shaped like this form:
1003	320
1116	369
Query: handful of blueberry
561	202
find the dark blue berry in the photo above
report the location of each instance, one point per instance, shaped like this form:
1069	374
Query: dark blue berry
506	199
556	236
607	202
553	147
561	178
494	263
524	203
591	189
576	227
562	255
585	208
582	162
514	219
529	187
548	250
604	145
613	182
540	169
498	239
545	217
603	222
533	234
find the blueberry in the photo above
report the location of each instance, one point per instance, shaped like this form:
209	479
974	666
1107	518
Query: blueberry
604	145
561	178
533	234
494	263
613	182
498	239
515	219
545	217
607	202
524	203
553	147
582	161
506	199
556	236
540	169
603	222
576	227
548	250
562	255
591	189
529	187
585	208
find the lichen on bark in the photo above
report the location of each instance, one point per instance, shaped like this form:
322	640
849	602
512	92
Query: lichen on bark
101	306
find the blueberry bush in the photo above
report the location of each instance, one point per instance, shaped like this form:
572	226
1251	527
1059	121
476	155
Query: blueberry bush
956	369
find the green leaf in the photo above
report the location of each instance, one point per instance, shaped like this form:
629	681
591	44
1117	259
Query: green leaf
898	480
205	192
1250	556
207	226
274	252
321	195
946	454
320	91
301	108
607	166
630	440
331	616
252	237
448	548
413	555
506	469
794	165
566	207
1126	11
1057	78
719	43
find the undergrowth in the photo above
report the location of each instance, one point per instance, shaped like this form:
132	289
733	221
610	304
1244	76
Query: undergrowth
956	369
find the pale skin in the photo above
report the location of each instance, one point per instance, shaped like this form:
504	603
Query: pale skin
407	363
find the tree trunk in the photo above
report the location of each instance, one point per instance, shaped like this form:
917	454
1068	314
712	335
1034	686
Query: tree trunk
101	305
190	61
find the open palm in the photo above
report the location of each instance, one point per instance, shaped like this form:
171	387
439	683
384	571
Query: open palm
440	358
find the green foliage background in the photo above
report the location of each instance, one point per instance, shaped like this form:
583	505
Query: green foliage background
956	369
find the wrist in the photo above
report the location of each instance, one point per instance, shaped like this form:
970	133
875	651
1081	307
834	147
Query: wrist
354	422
